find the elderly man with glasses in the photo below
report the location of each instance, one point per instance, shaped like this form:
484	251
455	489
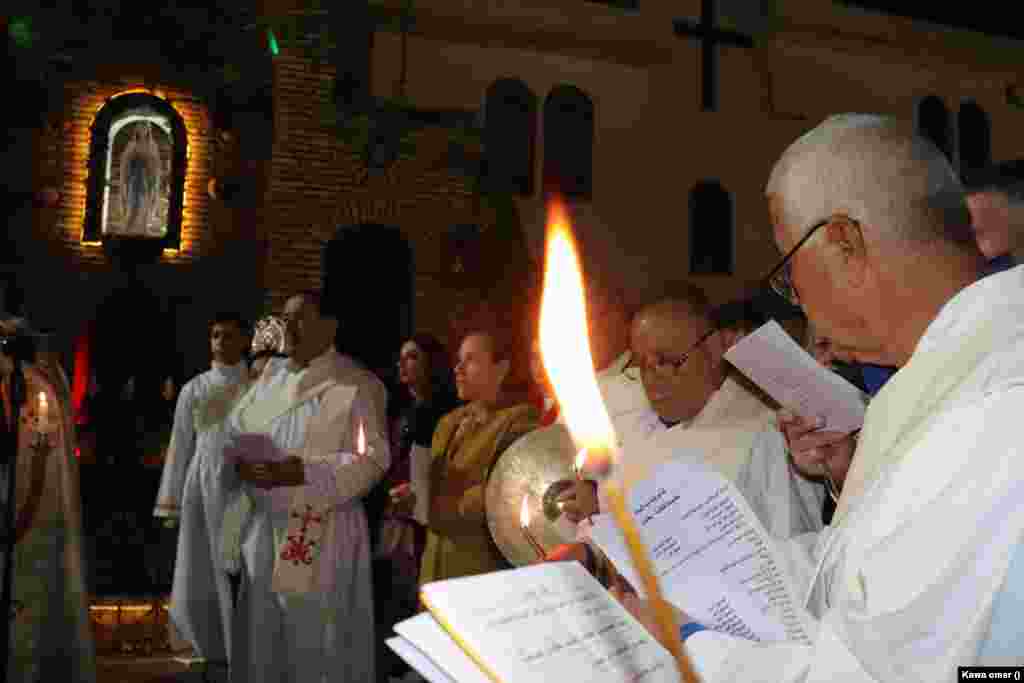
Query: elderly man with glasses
906	583
698	404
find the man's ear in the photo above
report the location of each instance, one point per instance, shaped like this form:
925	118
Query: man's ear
848	236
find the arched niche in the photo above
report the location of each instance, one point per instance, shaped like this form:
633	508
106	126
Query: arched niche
933	123
711	229
569	142
368	282
510	134
138	160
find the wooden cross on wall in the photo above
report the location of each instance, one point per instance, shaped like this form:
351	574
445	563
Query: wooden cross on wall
711	36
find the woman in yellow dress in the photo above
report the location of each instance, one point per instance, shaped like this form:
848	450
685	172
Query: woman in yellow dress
466	445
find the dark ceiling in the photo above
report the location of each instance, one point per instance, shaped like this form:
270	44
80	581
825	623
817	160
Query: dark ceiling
992	18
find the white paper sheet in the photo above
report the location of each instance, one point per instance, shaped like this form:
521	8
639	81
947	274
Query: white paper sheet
791	376
713	558
549	622
433	641
412	656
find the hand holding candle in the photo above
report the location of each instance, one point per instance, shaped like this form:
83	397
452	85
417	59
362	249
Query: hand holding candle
563	335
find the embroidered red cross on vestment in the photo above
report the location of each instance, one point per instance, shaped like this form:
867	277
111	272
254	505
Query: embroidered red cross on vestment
298	549
307	517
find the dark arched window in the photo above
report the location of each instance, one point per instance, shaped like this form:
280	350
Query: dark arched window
510	134
371	329
933	123
569	142
711	241
974	137
137	164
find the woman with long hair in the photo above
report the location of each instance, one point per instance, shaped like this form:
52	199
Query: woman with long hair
427	393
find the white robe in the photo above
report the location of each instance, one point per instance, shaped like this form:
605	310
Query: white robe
903	584
192	489
326	634
736	433
624	399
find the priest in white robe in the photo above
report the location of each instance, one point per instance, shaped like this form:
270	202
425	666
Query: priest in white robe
305	611
880	255
699	405
192	493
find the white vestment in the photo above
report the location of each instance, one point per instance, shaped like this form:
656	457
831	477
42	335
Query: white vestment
192	489
902	584
624	399
736	433
323	630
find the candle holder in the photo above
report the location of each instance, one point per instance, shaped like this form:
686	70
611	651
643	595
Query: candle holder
524	524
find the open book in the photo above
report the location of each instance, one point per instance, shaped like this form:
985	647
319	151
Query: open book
713	557
546	622
791	376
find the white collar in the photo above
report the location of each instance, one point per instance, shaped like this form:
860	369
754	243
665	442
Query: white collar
998	295
235	372
323	359
616	366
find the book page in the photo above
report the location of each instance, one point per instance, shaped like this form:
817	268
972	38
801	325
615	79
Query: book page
430	638
547	622
713	557
791	376
421	663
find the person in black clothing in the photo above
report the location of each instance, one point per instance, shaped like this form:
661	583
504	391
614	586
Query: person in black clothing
426	376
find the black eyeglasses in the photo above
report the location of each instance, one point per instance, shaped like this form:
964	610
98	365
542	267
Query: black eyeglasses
781	277
667	366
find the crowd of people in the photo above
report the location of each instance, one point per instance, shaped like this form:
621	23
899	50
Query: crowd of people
309	516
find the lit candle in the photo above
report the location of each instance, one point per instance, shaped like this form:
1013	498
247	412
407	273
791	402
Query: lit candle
577	466
44	412
361	440
524	524
563	335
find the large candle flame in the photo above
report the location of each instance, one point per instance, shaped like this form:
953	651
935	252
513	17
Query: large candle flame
564	344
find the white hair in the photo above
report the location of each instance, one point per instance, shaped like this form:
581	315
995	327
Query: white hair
872	169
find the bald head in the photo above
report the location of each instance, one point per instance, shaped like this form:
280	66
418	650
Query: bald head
873	169
680	366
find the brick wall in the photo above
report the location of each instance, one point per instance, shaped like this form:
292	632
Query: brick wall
65	158
316	183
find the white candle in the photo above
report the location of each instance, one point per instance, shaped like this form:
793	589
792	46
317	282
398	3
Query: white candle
44	412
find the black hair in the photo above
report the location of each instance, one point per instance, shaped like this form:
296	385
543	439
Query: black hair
225	317
439	367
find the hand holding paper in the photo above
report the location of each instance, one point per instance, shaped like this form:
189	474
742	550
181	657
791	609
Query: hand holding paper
791	376
252	448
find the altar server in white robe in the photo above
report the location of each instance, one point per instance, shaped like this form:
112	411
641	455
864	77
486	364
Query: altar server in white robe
192	493
880	255
305	611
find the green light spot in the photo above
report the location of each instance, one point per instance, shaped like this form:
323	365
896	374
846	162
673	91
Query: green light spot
20	30
272	40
